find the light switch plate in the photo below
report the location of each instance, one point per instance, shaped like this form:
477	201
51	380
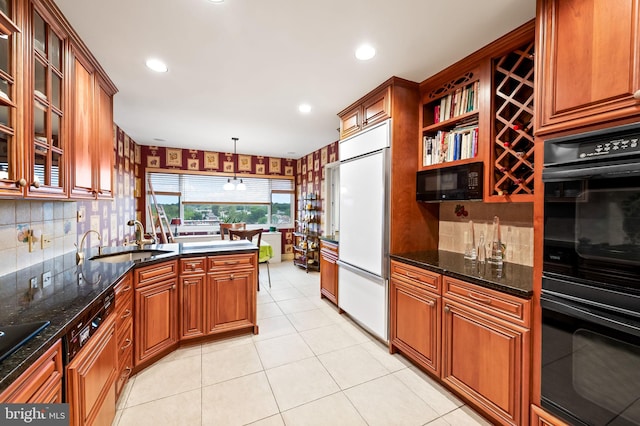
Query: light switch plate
45	241
33	282
46	279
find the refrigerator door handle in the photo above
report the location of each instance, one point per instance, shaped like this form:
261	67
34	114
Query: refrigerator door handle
365	274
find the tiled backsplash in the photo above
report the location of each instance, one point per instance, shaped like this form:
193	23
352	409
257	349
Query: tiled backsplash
516	227
54	220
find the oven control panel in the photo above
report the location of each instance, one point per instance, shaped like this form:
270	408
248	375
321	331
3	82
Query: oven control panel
609	146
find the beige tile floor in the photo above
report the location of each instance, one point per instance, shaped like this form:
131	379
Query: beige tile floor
308	366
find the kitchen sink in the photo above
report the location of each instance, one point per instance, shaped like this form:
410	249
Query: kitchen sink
128	256
14	336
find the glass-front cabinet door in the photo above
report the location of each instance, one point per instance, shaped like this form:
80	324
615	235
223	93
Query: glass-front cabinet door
48	153
11	161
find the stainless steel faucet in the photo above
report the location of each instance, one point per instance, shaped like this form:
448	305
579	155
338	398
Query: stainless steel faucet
140	239
80	251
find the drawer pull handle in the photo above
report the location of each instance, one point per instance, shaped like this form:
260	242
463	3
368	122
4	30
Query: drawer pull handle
479	299
636	95
126	314
447	309
127	345
127	371
126	289
231	262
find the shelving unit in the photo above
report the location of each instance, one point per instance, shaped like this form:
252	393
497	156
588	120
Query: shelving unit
306	246
450	122
512	148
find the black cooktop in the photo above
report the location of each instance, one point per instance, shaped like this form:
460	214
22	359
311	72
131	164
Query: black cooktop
14	336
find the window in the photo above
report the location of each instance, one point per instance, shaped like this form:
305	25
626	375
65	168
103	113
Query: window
202	203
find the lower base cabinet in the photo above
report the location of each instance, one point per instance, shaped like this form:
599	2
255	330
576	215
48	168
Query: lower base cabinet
91	378
41	383
475	340
229	301
329	271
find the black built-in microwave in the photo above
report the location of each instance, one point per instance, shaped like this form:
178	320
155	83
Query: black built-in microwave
462	182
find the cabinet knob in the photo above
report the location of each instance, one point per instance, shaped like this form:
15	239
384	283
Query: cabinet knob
447	309
231	277
173	287
431	303
637	95
36	182
21	183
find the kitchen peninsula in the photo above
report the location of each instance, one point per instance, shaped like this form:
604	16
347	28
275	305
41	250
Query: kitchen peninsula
180	292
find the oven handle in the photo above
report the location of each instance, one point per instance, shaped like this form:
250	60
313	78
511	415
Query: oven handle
591	315
611	170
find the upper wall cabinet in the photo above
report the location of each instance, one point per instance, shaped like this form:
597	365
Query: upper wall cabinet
46	164
373	109
590	73
48	129
12	175
92	131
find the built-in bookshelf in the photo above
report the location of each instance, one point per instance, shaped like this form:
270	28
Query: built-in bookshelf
450	121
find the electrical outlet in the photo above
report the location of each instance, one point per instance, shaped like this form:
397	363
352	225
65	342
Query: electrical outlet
80	215
33	282
45	241
46	279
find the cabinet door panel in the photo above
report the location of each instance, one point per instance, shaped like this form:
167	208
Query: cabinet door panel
192	306
229	300
328	274
590	71
91	377
82	128
156	319
415	324
350	122
377	107
104	117
483	359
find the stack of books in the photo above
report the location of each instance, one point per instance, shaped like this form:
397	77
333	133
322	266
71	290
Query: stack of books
461	101
458	144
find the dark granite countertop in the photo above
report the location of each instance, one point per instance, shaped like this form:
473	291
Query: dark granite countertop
511	278
72	290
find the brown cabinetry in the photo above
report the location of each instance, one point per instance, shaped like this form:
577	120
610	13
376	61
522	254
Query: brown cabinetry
596	83
124	330
481	109
41	382
192	301
91	378
329	271
218	294
230	293
156	311
373	109
56	126
92	135
415	315
486	347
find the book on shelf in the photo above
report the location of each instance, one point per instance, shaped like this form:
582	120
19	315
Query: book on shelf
460	143
459	102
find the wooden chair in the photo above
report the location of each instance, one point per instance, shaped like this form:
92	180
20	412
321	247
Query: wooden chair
225	227
236	234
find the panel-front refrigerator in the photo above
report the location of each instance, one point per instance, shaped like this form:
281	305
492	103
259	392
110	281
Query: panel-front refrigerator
364	229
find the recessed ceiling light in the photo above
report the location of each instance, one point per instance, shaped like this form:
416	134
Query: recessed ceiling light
291	152
216	1
159	140
365	52
157	65
304	108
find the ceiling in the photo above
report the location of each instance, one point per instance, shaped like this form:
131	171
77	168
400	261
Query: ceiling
241	68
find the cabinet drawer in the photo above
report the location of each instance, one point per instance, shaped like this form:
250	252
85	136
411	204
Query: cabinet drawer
218	263
502	305
39	380
123	290
155	273
125	367
329	249
192	265
420	277
125	339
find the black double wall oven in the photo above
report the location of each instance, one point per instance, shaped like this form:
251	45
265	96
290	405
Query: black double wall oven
591	277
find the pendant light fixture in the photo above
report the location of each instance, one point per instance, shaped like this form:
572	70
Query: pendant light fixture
238	186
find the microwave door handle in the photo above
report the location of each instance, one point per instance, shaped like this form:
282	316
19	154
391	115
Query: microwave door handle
590	316
612	170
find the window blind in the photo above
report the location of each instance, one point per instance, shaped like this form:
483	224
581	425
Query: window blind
209	189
